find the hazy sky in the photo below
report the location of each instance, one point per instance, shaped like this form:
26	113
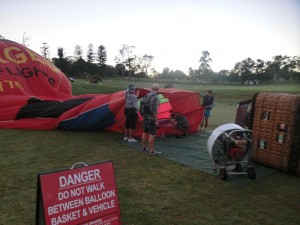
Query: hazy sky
175	32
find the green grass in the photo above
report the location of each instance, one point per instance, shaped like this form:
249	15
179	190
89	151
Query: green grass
151	190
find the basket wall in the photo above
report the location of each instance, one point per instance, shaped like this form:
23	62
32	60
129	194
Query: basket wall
276	131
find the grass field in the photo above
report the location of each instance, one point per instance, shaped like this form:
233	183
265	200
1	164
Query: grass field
151	190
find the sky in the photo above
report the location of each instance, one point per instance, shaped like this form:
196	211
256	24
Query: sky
175	32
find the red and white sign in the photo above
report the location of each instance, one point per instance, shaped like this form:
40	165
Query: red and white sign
85	195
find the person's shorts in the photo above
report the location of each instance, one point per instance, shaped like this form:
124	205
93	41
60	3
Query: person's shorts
149	126
207	113
131	121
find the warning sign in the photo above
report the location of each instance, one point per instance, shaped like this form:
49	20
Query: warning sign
85	195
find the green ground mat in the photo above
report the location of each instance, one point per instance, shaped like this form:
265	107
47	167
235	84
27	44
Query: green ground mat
191	151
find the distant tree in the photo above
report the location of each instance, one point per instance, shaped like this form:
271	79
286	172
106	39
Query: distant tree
244	69
90	53
276	66
192	73
78	68
170	74
25	40
295	68
78	52
269	72
127	58
92	68
101	55
145	62
259	66
62	63
259	72
2	37
109	71
60	52
288	65
179	75
204	64
45	50
165	73
120	69
234	77
221	76
154	73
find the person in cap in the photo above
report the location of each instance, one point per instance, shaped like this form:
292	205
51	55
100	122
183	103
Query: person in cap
131	111
150	120
209	103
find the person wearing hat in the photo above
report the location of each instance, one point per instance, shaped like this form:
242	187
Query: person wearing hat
131	110
209	103
150	121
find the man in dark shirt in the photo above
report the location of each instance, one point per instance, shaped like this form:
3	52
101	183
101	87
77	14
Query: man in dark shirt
209	103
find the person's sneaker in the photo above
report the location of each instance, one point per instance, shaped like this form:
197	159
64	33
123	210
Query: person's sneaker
125	138
132	140
154	153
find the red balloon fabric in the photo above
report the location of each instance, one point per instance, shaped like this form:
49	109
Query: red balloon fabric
34	94
24	72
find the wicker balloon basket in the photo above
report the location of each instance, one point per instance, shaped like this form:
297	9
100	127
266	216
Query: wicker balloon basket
276	131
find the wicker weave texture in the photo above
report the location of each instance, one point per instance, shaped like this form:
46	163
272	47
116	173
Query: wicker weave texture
275	128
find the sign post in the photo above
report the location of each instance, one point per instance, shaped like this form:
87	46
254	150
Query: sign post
84	195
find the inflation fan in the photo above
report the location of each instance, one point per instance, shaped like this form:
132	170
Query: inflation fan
230	148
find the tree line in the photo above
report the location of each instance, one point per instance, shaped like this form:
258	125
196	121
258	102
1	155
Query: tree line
130	65
94	64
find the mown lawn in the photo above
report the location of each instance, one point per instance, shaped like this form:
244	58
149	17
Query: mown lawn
151	190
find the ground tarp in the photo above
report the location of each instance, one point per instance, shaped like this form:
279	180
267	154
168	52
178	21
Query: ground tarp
191	151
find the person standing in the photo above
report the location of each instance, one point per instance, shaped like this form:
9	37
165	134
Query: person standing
209	103
150	121
131	110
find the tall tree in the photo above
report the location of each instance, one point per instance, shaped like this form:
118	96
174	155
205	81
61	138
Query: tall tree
45	50
154	73
205	61
78	52
244	69
25	40
127	58
259	66
165	73
259	72
120	69
295	67
192	73
60	52
276	65
90	53
62	63
234	77
221	76
101	55
145	62
78	68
